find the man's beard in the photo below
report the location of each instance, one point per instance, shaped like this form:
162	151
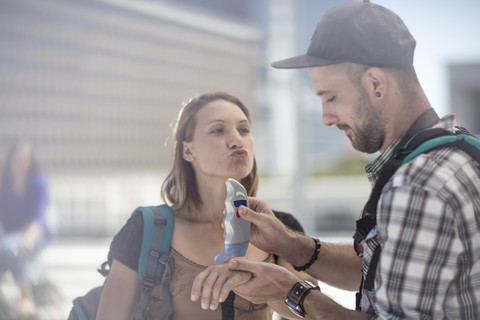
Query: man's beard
369	134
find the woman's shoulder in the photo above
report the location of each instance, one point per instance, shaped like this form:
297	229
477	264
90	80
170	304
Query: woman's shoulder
289	220
126	244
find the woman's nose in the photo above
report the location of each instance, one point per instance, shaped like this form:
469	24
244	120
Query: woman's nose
235	140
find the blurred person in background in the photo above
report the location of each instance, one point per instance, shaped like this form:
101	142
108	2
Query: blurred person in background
23	225
212	142
424	231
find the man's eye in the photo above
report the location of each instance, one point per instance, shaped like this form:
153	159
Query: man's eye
331	99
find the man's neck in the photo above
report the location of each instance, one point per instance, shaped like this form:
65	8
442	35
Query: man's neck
404	117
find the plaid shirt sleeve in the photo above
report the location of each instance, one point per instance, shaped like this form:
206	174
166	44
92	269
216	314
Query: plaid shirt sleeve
429	229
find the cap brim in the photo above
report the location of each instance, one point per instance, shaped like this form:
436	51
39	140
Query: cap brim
303	61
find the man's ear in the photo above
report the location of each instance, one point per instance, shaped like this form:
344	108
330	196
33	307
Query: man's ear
375	81
187	152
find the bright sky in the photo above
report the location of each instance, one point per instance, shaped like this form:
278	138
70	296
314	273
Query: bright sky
446	32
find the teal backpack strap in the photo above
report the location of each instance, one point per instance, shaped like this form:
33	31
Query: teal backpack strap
169	266
154	261
465	142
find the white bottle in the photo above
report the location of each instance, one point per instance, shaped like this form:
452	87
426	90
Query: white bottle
237	230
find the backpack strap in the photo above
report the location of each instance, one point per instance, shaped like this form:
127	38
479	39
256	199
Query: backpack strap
465	142
372	268
154	260
169	266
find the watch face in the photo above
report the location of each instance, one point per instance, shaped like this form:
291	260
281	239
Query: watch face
296	309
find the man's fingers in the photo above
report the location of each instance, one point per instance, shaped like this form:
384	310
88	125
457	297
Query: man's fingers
240	278
242	265
249	215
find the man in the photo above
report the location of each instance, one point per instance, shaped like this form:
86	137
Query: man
360	62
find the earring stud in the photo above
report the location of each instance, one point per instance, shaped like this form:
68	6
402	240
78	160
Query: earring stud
378	94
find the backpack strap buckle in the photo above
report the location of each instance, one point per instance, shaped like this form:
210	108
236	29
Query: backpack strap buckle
364	226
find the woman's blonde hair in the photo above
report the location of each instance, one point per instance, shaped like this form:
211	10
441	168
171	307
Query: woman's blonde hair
180	188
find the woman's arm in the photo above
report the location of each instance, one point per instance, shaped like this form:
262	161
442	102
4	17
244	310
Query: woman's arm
215	283
120	293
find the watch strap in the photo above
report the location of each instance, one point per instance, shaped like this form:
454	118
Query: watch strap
297	295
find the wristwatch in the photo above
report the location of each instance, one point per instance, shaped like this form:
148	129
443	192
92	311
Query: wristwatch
296	296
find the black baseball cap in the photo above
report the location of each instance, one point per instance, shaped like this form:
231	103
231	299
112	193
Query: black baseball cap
358	32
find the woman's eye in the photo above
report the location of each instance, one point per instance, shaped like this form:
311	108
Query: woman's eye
217	130
244	130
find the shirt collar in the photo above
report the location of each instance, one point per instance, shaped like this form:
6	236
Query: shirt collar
373	168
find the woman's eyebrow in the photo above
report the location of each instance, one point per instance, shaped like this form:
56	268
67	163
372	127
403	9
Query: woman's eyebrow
215	120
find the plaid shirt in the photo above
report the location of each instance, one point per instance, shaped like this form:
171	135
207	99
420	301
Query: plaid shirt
428	226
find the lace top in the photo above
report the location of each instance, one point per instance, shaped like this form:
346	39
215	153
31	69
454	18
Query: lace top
125	248
235	307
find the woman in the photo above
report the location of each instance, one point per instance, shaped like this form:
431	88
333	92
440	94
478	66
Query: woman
212	143
23	204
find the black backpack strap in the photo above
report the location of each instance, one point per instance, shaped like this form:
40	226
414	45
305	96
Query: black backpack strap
372	268
154	261
368	220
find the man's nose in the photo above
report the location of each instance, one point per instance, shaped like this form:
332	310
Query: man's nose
329	118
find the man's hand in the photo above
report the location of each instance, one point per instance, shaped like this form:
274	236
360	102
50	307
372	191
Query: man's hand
215	283
269	281
267	232
272	282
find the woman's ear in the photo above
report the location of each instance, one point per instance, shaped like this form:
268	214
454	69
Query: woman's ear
187	152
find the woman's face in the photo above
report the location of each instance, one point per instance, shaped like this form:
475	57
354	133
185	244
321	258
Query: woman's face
222	145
